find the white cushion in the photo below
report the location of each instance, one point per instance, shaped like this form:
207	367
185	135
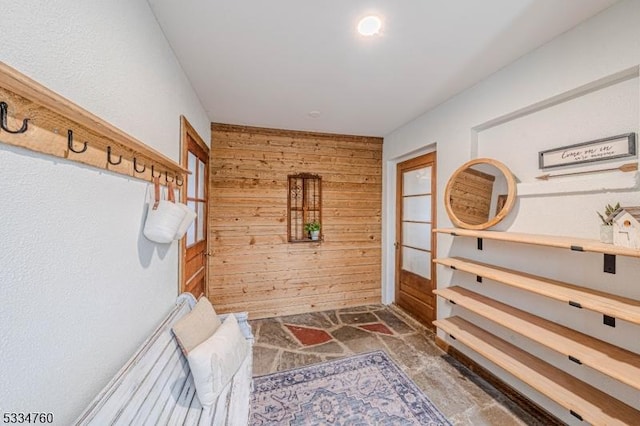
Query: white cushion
214	362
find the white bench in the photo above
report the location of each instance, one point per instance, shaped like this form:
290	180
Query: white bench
155	387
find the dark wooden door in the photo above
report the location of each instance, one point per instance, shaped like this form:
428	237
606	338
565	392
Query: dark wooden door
195	157
415	218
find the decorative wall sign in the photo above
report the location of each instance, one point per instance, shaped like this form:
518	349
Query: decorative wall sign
589	152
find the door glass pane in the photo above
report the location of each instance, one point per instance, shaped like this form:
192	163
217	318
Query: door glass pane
416	261
417	181
191	179
416	235
417	208
191	232
201	176
200	223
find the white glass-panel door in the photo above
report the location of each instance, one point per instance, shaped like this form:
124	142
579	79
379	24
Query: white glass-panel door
416	221
414	244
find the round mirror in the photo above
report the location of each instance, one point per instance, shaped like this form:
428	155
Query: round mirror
480	194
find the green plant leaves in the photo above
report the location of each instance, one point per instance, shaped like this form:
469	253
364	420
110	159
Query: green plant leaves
608	210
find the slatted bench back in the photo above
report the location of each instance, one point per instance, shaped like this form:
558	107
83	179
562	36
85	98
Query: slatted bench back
156	386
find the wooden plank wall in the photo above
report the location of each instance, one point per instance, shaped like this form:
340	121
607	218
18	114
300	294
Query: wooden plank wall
253	267
471	196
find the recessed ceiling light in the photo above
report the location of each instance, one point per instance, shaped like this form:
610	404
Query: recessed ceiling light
314	114
369	25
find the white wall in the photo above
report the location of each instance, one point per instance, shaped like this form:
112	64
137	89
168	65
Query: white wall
607	44
81	287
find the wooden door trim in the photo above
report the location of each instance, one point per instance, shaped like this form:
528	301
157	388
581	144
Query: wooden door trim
186	131
402	167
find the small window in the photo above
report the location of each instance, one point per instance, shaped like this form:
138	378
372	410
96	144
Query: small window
196	195
304	208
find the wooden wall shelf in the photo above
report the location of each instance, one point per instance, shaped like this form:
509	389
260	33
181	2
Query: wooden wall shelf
611	360
50	117
579	297
583	400
571	243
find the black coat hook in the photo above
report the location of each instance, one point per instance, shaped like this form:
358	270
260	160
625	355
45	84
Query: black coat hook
70	143
135	166
115	163
166	177
179	182
3	120
152	172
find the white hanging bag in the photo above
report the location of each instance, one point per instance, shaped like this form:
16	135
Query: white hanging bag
189	217
163	218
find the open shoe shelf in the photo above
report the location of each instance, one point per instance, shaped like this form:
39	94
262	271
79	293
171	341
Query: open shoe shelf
583	400
611	360
576	296
571	243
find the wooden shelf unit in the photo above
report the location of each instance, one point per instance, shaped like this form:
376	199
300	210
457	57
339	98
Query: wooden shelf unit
576	296
610	360
583	400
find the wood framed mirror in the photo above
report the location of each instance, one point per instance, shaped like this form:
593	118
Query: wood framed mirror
480	193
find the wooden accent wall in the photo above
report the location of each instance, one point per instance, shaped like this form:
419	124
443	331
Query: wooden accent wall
253	267
471	196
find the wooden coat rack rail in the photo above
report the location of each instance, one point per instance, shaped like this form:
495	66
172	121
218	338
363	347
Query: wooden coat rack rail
38	119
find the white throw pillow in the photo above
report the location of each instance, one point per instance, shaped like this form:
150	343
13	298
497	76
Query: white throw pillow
214	362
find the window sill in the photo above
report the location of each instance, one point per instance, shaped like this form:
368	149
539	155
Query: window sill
308	240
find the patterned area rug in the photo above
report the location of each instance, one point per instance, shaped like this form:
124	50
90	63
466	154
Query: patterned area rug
366	389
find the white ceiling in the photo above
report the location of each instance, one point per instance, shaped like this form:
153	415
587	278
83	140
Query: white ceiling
270	63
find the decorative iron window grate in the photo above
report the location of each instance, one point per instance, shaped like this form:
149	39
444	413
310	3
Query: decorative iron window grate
304	206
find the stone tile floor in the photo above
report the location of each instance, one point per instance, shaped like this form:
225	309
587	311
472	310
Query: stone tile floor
295	341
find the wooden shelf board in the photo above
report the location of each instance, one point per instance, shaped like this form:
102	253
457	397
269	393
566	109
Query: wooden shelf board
570	243
611	360
593	405
598	301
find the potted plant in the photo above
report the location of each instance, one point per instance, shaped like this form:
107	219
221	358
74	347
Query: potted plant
313	228
606	229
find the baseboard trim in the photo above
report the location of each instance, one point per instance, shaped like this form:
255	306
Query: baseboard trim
520	400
